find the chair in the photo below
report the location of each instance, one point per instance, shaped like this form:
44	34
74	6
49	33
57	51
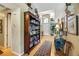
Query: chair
67	49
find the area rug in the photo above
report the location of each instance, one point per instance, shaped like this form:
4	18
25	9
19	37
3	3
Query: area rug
44	50
1	52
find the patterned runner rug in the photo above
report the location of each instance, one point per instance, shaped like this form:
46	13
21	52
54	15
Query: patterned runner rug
44	50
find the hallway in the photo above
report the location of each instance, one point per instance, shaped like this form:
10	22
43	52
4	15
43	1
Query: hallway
29	29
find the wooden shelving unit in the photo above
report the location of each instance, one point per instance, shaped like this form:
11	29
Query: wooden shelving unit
31	31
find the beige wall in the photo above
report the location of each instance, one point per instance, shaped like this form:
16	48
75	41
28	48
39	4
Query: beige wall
2	34
73	38
75	42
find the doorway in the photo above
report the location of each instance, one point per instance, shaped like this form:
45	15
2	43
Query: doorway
5	30
46	24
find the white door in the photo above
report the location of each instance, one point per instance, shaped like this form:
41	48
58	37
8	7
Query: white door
46	29
46	24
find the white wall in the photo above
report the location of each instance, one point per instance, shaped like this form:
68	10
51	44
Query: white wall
60	11
17	32
17	21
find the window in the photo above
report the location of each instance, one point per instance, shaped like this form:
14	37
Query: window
46	18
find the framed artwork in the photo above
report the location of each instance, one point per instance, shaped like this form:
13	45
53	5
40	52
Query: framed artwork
0	25
72	25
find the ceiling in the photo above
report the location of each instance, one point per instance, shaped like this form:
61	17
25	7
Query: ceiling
39	6
58	8
2	8
49	6
13	5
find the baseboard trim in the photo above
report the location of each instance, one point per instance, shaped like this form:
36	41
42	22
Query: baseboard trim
18	54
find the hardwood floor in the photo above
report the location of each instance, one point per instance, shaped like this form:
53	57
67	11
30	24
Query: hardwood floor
42	40
7	51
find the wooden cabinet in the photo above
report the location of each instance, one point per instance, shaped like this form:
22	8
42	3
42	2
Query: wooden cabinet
31	31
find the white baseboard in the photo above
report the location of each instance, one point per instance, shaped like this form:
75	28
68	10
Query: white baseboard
18	54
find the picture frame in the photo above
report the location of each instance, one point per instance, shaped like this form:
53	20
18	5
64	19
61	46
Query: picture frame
0	25
72	25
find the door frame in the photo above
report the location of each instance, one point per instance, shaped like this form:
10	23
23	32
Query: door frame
6	31
8	43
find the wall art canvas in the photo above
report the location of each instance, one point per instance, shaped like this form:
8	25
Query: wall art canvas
72	25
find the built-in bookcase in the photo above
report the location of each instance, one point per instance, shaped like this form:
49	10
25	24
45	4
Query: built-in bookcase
31	31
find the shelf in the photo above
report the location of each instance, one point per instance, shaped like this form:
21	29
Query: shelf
34	24
34	35
36	30
35	18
